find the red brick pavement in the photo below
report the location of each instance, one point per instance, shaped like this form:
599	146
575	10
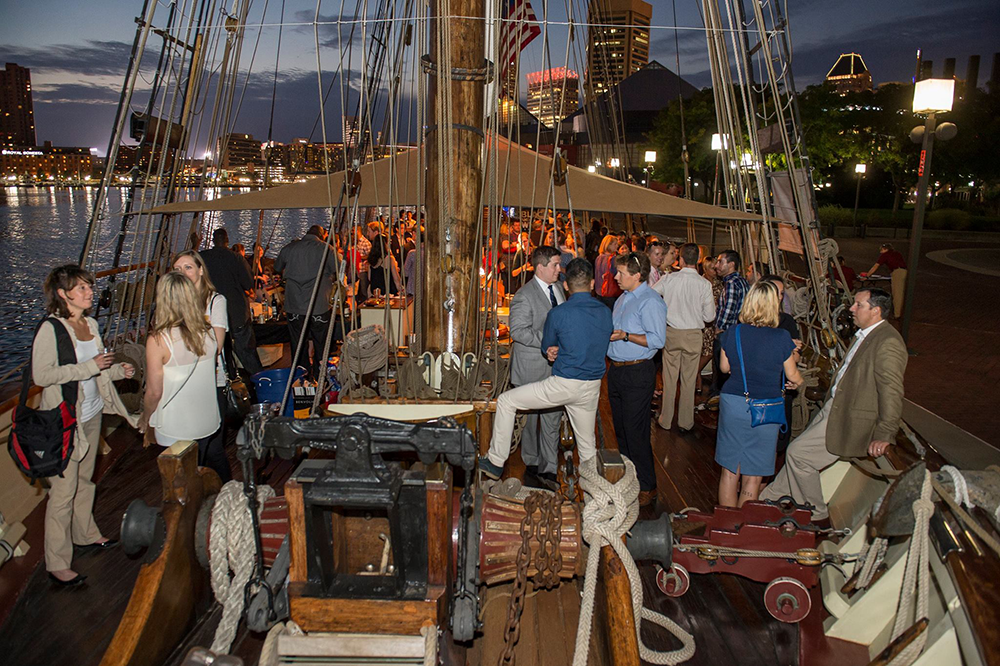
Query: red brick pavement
955	335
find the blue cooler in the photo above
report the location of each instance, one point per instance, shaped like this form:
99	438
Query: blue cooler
270	385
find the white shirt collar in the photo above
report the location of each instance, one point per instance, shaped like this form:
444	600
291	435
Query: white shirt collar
863	332
545	288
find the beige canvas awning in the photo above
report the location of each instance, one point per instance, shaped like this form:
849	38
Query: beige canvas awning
524	182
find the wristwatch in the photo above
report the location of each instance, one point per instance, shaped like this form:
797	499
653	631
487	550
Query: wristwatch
626	337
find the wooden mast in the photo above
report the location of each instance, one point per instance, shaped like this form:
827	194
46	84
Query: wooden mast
450	276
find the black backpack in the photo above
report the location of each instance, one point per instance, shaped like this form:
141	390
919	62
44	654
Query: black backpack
41	441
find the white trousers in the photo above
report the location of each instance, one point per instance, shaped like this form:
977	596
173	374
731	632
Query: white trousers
578	396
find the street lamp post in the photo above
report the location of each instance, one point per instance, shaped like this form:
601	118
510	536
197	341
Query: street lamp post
859	169
930	96
650	158
719	141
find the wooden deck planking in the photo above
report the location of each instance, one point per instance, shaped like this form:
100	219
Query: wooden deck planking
725	614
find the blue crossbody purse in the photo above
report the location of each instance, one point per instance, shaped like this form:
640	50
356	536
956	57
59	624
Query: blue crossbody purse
763	411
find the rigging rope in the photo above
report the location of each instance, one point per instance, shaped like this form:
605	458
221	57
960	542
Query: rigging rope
916	577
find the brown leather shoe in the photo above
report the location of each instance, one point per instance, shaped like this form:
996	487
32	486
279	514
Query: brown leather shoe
647	497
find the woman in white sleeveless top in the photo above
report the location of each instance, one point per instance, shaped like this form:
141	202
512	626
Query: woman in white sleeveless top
211	449
180	401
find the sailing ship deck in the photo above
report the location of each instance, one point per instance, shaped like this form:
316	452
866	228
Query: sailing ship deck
725	613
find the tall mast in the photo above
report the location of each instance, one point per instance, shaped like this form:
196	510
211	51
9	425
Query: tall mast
454	144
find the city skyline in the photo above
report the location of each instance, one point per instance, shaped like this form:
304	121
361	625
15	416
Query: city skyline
77	55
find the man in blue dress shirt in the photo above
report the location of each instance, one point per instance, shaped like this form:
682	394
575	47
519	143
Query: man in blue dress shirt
575	338
640	329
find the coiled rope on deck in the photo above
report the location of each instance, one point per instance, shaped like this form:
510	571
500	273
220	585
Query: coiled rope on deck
610	511
231	556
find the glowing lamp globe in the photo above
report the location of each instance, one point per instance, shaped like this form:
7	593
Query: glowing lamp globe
860	168
933	95
650	156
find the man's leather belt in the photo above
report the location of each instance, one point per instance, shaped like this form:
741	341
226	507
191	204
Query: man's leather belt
619	364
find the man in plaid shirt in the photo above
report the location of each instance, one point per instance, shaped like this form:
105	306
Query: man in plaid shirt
734	289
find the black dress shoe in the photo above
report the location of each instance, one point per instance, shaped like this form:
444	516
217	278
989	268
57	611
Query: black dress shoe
543	480
102	545
72	582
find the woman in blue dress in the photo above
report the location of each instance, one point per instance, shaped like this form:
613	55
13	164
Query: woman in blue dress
745	452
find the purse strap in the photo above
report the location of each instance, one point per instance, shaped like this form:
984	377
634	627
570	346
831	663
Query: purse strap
66	355
180	388
743	370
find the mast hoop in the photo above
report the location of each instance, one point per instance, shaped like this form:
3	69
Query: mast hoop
456	126
484	73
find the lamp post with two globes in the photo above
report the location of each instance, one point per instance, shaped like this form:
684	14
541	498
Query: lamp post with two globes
930	96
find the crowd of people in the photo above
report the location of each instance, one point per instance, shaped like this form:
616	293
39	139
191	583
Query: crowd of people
583	307
633	301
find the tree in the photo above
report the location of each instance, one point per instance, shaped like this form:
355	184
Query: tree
700	124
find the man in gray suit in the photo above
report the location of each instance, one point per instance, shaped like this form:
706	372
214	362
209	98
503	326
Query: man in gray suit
528	310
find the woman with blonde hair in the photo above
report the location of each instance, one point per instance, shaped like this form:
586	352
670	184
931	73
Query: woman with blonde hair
211	450
755	352
69	515
180	398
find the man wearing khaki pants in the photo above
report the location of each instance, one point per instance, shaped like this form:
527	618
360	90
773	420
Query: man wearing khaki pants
894	261
688	297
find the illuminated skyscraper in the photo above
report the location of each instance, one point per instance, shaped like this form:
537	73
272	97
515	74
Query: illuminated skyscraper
553	94
618	42
850	74
17	118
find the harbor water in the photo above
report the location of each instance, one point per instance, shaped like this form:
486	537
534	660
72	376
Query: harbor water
43	227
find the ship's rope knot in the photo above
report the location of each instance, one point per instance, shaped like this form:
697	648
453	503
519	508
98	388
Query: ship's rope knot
961	487
231	556
915	591
609	512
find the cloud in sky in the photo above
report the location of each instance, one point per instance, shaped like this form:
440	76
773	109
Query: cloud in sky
76	84
93	57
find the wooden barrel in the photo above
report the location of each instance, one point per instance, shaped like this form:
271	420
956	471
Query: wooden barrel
500	540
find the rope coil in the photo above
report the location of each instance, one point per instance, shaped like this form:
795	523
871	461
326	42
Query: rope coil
232	556
610	511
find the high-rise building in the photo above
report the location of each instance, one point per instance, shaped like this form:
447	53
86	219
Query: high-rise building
240	152
17	118
850	74
617	42
553	94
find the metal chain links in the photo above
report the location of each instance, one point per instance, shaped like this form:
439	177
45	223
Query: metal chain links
513	629
548	561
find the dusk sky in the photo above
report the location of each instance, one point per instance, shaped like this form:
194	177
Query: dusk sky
78	51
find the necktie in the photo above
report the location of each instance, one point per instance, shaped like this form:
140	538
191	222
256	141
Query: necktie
552	297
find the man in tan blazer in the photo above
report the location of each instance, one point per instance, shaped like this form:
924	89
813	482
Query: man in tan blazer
861	414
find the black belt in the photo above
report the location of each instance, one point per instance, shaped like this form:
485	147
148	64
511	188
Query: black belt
622	364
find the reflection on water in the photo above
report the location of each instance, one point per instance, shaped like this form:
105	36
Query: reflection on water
43	227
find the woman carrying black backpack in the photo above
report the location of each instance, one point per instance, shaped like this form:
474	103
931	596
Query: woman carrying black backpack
69	516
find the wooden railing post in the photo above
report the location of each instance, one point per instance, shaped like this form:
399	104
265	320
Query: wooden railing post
614	616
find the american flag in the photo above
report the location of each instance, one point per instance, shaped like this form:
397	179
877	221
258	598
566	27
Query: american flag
519	27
